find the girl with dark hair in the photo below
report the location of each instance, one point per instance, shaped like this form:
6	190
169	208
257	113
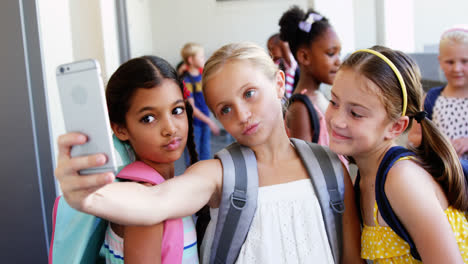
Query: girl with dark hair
413	203
148	110
316	48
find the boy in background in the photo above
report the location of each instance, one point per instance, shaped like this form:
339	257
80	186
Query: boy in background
194	58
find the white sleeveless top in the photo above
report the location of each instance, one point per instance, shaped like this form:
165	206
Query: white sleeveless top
287	228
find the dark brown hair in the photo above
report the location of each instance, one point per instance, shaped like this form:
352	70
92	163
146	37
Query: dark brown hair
143	72
291	33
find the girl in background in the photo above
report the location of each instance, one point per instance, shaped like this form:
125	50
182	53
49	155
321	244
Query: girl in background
448	105
316	48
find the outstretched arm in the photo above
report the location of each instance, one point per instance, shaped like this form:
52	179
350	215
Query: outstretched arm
351	226
130	203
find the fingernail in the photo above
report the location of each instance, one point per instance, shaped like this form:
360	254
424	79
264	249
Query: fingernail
81	138
100	159
109	178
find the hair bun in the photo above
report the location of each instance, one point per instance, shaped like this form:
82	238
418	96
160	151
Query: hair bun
289	22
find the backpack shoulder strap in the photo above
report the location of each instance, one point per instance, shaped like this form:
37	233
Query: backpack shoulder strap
140	172
385	209
326	171
357	196
314	119
430	100
238	202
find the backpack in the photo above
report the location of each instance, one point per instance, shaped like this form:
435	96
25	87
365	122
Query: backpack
314	118
240	189
430	100
77	237
385	209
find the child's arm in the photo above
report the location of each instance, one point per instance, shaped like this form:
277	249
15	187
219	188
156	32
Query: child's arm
143	244
298	122
351	226
205	119
460	145
132	203
413	196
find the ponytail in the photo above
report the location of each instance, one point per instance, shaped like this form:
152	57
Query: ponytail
190	138
439	158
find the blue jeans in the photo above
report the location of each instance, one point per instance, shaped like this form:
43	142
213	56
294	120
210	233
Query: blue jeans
202	136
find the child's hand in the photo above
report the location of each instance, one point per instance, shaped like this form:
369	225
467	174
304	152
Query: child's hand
77	188
214	128
460	145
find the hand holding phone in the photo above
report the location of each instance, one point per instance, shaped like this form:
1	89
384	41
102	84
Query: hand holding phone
84	110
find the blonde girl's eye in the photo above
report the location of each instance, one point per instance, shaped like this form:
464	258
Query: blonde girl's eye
147	119
355	115
249	93
225	110
333	103
178	110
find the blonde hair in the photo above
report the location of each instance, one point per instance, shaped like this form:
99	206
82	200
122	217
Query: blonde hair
190	49
435	154
457	34
243	51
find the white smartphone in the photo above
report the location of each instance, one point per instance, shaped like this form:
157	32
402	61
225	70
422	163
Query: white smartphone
85	110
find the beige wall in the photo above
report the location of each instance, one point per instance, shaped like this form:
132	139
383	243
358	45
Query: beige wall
74	30
208	22
432	17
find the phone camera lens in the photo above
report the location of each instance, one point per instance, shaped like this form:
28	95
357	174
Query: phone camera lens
62	70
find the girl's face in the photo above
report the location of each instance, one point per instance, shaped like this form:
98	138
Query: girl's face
199	59
156	123
245	101
356	118
453	59
324	57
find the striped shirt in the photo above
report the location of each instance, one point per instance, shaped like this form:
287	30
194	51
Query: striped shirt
113	247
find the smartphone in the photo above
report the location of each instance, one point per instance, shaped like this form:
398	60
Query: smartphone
85	110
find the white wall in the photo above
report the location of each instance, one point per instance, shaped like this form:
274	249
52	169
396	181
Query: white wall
341	16
365	28
110	40
399	24
209	23
432	17
56	43
73	30
87	37
140	30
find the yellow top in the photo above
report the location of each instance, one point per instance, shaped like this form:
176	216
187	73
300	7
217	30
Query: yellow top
383	245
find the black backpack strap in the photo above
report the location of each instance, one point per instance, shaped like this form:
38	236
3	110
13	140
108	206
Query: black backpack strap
430	100
238	202
385	208
314	119
357	196
326	172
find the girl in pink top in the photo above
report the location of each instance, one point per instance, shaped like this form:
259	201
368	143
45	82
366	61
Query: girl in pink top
148	110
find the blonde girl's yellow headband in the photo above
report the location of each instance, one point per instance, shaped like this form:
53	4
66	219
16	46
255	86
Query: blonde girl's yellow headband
395	70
